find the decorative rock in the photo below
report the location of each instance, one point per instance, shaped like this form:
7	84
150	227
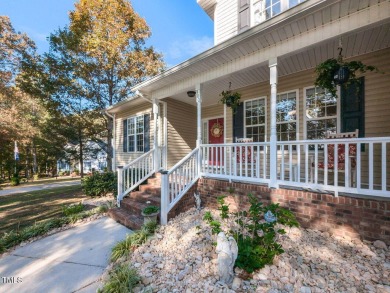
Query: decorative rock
236	283
304	289
312	262
380	244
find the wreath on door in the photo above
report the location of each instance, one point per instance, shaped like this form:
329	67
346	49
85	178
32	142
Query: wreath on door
216	130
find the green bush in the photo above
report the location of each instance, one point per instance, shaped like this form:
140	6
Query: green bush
15	180
72	209
255	231
100	184
36	176
122	279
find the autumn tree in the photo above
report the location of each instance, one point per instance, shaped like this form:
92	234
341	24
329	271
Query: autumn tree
109	42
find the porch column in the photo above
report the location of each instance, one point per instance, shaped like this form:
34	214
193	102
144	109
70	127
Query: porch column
198	89
155	138
273	138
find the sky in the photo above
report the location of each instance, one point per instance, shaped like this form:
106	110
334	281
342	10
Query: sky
180	28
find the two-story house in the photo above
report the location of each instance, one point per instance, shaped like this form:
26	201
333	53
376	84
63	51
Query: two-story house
277	139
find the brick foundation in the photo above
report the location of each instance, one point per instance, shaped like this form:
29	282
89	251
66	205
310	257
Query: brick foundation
346	216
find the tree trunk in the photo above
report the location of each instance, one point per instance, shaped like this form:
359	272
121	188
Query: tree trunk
109	146
81	154
34	149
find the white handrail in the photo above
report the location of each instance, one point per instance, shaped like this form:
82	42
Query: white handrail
134	173
177	181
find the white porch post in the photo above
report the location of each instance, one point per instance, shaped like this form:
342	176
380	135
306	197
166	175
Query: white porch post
156	158
198	89
120	185
199	114
273	138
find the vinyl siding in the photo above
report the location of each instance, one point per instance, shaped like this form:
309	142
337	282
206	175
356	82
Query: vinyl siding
225	22
181	119
125	158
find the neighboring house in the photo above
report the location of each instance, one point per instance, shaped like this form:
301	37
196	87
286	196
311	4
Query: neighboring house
267	51
95	158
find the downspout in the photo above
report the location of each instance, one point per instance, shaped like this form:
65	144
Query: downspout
113	140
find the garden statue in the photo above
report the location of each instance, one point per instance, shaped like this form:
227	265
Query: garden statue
227	251
197	201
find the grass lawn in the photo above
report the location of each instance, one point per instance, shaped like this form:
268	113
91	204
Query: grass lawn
20	210
41	181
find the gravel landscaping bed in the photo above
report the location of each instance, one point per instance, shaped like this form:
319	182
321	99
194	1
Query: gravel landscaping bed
181	258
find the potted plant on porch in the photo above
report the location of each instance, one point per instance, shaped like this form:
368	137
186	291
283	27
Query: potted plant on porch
150	213
333	72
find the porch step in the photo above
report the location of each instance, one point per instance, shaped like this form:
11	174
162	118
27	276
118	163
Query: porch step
129	214
125	218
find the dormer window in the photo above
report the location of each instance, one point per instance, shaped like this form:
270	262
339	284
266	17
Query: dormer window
253	12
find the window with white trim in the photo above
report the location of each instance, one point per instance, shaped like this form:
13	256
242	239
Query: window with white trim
255	119
266	9
286	116
135	133
320	113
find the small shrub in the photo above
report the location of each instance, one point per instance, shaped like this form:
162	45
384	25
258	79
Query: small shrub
121	279
151	226
121	249
254	230
15	180
132	241
36	176
100	184
72	209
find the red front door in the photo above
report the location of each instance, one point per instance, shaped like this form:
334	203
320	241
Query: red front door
216	136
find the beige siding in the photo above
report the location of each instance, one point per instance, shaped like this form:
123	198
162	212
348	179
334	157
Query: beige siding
377	95
181	119
125	158
225	21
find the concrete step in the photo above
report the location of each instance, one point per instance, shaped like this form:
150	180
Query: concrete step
123	217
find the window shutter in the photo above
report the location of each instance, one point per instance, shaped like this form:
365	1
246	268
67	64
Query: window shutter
125	136
146	133
352	107
238	122
243	15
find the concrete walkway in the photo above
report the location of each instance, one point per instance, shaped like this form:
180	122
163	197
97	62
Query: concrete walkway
15	190
69	261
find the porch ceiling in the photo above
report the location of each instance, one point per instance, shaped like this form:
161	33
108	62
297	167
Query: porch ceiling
354	44
367	29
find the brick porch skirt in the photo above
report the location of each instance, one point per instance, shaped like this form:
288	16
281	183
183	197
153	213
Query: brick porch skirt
347	216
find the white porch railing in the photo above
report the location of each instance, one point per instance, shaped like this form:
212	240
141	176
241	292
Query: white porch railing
365	173
177	181
236	161
134	173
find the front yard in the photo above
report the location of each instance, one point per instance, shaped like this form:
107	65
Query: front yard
21	210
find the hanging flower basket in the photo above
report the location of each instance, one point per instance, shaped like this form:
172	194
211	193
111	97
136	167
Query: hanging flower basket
341	76
333	72
230	99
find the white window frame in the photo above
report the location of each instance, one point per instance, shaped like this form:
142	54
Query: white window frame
284	5
297	134
265	115
305	119
134	118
